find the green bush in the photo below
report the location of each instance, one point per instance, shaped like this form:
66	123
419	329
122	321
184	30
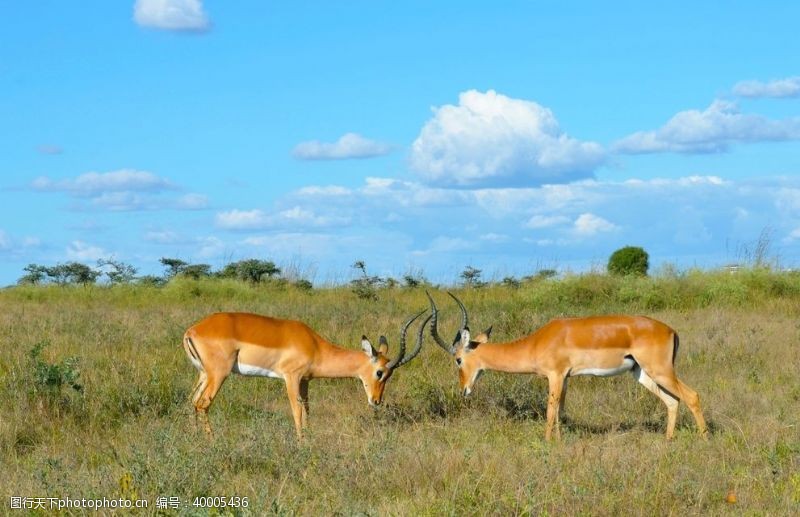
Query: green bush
630	260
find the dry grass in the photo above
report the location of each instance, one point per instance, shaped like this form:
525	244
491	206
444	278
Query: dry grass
428	451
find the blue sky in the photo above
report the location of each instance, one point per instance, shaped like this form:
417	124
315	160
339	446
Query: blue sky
415	137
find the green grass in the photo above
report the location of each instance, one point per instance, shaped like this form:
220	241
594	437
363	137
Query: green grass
129	432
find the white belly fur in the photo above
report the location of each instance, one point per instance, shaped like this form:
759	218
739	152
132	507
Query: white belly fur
626	366
248	369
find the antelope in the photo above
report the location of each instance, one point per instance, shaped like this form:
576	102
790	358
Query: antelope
602	346
250	344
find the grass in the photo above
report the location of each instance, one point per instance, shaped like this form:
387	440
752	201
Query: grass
128	432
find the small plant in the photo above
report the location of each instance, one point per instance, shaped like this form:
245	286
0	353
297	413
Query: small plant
50	378
630	260
304	285
365	287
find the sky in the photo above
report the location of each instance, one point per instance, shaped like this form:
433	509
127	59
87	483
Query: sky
418	137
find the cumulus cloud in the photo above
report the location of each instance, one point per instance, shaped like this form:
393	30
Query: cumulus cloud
711	130
492	139
349	146
589	224
778	88
172	15
258	219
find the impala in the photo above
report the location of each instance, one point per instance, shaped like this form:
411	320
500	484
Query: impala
601	345
249	344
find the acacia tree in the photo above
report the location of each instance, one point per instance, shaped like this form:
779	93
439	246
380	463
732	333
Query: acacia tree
35	274
117	272
174	266
250	270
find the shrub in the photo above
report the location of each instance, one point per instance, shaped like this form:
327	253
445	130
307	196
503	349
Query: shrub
630	260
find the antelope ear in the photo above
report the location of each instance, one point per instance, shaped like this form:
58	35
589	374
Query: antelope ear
483	337
383	345
368	348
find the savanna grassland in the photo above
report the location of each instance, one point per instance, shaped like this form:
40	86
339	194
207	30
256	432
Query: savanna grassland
121	424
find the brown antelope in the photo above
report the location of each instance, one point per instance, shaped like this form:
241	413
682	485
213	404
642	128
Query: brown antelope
249	344
600	345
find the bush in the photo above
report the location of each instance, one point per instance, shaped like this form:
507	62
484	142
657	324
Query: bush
250	270
630	260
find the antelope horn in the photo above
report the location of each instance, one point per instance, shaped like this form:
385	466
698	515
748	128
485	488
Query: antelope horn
418	347
434	333
402	351
464	317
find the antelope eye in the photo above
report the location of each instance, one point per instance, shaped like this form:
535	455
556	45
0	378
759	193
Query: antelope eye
458	361
379	374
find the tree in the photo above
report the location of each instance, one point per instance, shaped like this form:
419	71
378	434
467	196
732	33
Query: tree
35	274
117	272
72	273
195	271
630	260
472	277
174	266
250	270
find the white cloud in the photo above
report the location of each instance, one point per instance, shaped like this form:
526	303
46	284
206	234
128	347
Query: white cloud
162	237
94	183
491	139
258	219
709	131
331	190
81	251
5	241
193	202
546	221
122	190
350	145
589	224
788	87
173	15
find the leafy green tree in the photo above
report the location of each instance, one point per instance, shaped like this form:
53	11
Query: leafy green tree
35	274
117	272
630	260
72	273
250	270
472	277
196	271
174	266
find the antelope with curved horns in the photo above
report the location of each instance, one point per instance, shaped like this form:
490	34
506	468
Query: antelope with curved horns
249	344
599	345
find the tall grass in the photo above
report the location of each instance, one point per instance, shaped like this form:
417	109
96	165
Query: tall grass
129	431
